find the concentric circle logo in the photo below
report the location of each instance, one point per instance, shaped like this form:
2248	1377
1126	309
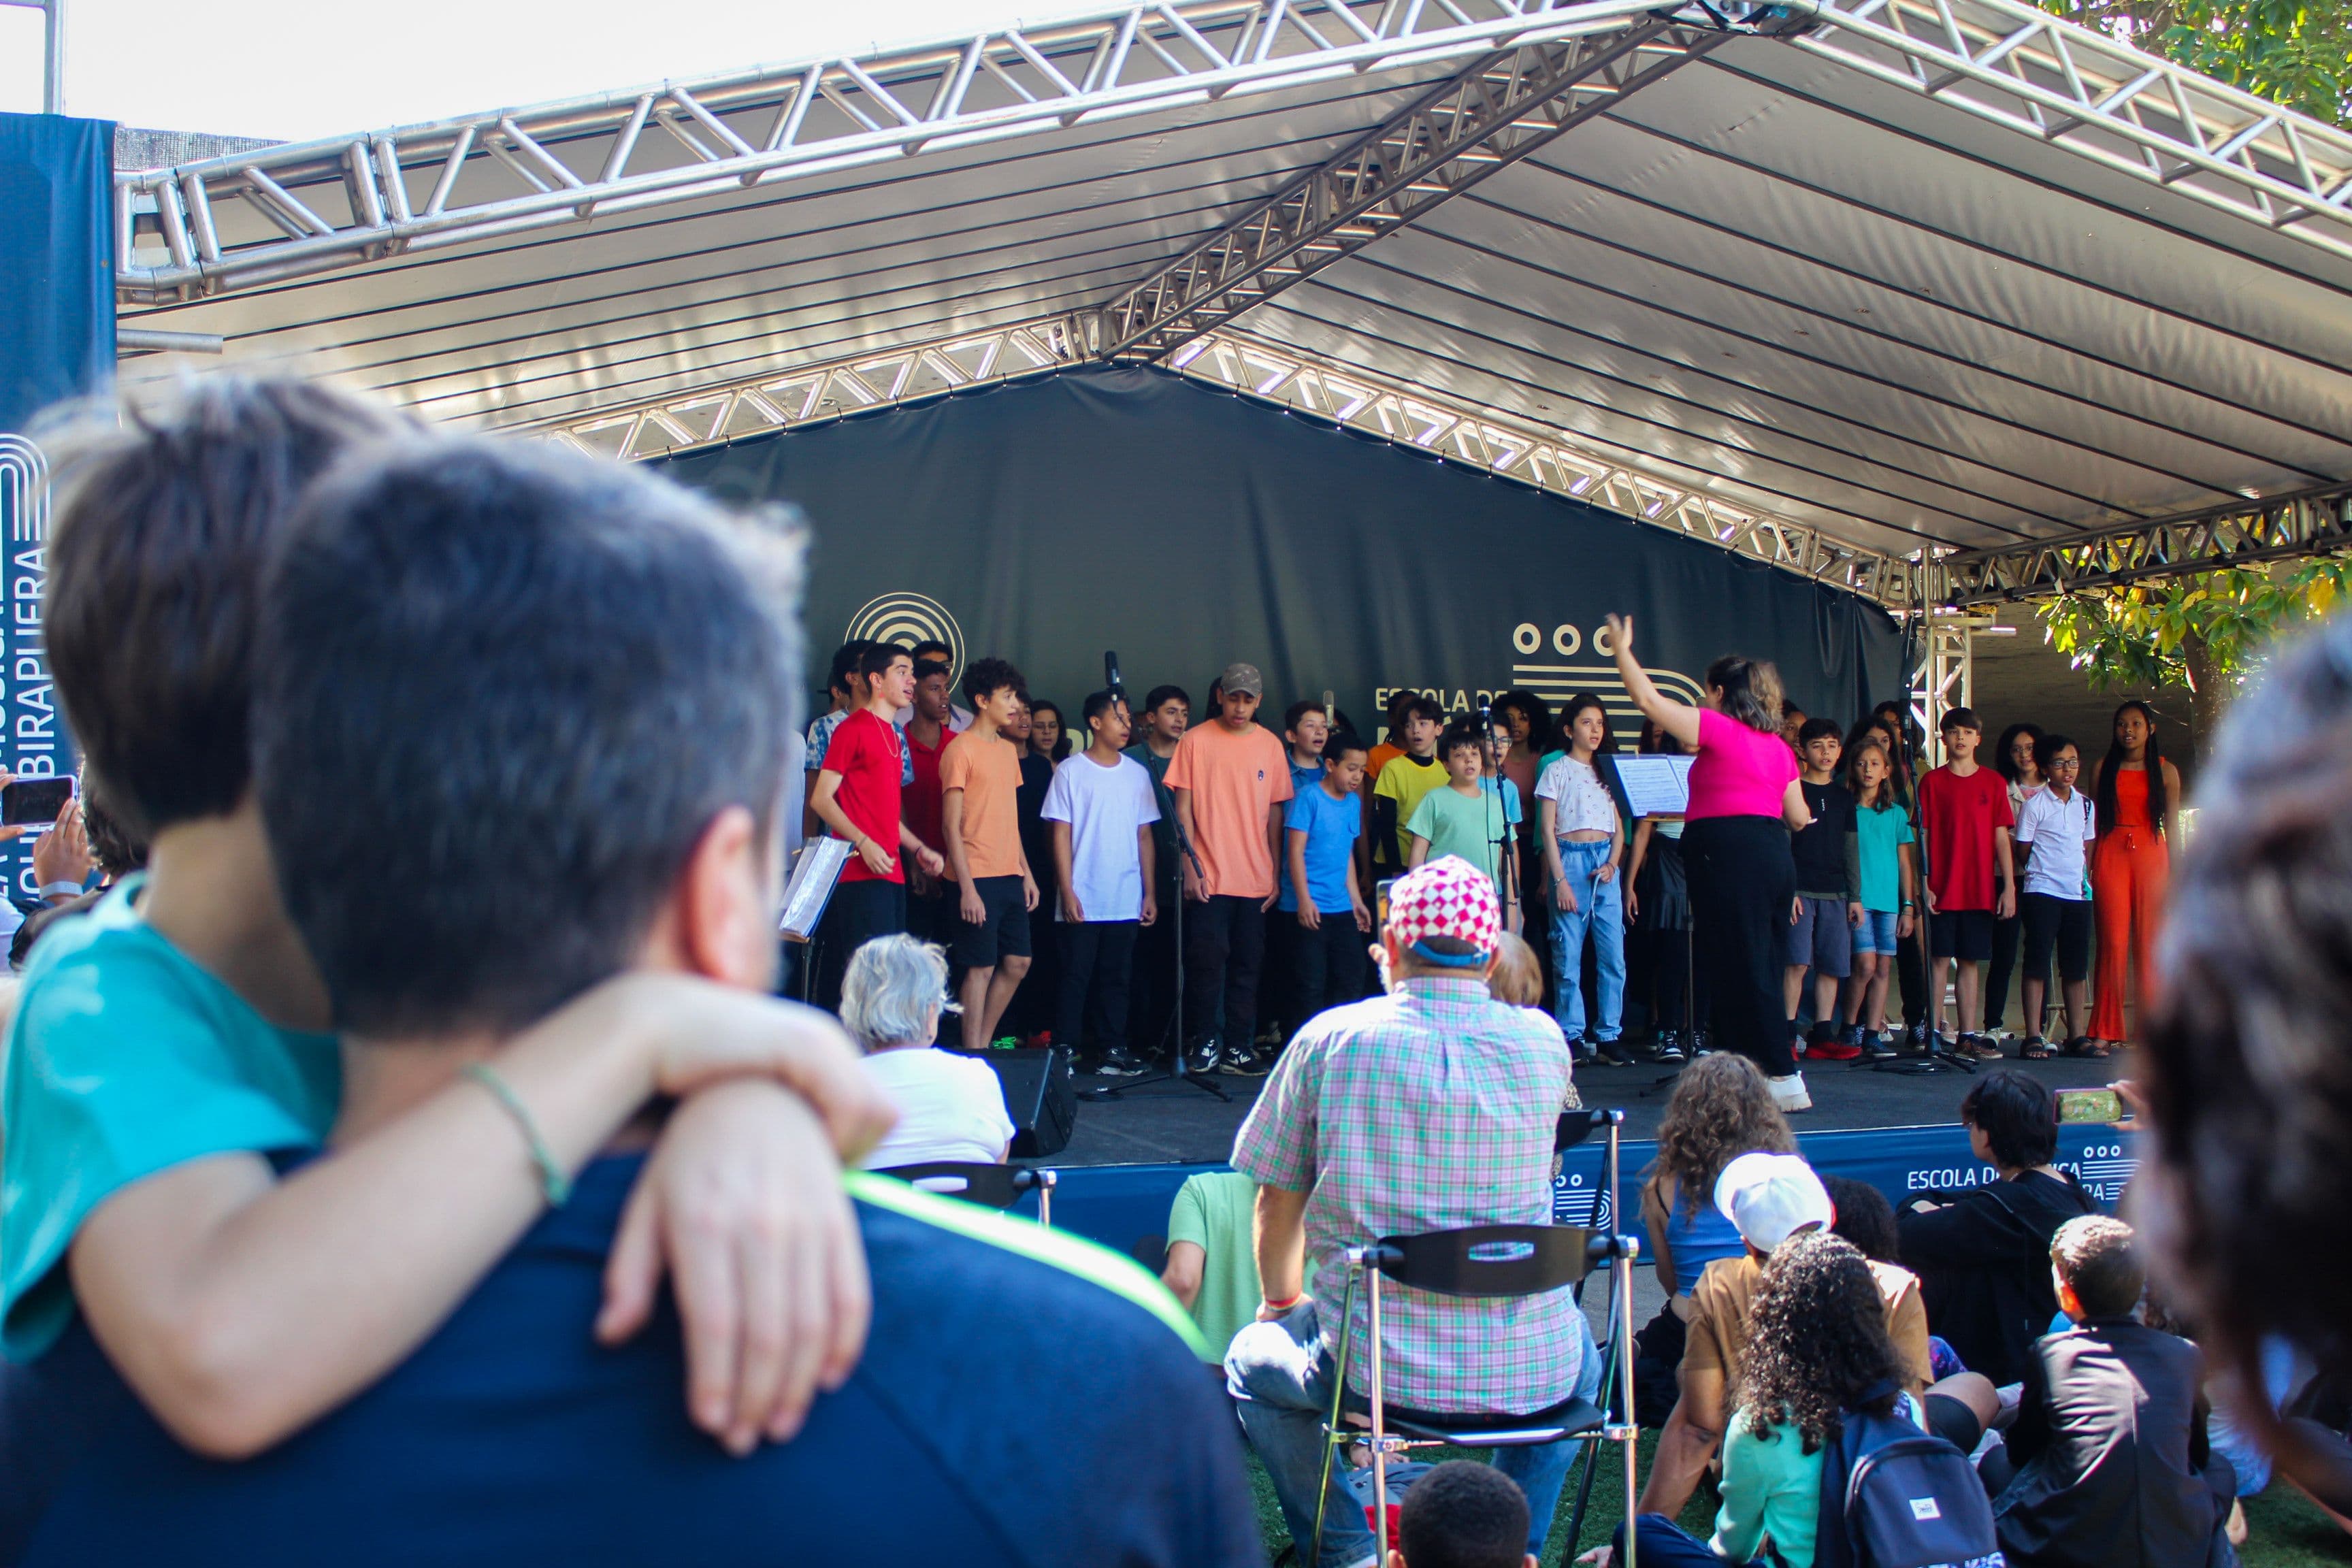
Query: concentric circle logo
910	618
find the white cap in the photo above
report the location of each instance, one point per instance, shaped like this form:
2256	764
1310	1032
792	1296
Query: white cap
1770	1197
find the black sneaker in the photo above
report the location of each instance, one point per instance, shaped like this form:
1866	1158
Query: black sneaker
1616	1053
1117	1064
1200	1057
1256	1062
1914	1039
1700	1045
1875	1047
1667	1047
1585	1053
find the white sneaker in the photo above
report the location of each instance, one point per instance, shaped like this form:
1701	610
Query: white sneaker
1789	1093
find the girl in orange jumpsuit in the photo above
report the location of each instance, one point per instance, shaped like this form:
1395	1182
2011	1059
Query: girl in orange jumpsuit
2138	794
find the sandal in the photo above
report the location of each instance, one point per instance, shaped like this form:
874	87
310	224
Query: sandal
2036	1049
2094	1051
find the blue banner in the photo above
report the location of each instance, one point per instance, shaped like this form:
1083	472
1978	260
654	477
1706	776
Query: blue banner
56	342
1123	1206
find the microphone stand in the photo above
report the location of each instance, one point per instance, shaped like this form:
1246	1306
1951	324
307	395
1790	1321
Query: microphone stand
1178	1073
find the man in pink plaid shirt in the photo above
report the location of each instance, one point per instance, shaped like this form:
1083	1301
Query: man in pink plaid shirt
1428	1109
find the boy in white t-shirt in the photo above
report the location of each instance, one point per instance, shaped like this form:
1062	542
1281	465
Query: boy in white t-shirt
951	1108
2054	830
1101	806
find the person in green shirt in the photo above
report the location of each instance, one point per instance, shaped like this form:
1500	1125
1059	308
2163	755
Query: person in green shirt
168	1046
1818	1350
1210	1267
1463	818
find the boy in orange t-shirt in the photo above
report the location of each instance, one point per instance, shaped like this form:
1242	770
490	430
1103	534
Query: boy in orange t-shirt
979	773
1230	778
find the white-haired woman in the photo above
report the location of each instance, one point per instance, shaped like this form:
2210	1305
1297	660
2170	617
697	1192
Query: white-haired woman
950	1107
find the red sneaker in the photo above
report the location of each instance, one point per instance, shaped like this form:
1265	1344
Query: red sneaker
1832	1051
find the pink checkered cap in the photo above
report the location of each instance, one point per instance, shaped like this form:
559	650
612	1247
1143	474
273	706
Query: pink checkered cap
1446	897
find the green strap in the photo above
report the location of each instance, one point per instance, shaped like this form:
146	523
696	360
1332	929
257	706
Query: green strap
1056	1249
553	1183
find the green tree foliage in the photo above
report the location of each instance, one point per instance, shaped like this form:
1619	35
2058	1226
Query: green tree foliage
2207	633
2295	52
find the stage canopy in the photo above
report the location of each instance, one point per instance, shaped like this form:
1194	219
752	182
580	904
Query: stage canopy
1849	286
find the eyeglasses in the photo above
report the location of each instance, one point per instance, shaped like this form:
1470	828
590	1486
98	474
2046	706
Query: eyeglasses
2066	762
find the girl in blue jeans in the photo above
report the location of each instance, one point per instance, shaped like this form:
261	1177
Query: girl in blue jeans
1583	838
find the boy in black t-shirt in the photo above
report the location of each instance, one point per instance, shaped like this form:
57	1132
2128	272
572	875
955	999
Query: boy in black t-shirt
1829	893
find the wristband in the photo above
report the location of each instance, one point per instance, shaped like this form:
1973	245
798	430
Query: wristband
1285	1306
554	1184
61	889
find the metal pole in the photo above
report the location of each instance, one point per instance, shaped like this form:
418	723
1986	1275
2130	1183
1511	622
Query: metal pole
1379	1422
53	58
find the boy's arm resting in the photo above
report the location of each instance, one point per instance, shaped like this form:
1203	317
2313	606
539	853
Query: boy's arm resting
1278	1234
1181	1273
240	1307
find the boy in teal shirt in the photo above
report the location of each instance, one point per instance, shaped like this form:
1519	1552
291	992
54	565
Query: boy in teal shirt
169	1042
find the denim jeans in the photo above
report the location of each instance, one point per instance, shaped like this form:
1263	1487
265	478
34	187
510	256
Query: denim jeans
1280	1373
1600	906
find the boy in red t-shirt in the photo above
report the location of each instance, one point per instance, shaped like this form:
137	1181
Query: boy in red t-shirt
1965	818
858	797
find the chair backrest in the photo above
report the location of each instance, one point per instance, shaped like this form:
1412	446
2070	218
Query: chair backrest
1576	1126
1492	1259
997	1187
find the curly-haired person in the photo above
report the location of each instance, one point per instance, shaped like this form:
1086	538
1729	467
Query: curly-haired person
2245	1198
1819	1347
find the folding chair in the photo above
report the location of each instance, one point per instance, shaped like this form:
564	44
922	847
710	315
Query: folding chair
995	1186
1492	1260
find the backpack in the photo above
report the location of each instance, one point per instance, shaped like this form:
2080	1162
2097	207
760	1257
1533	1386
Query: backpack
1896	1496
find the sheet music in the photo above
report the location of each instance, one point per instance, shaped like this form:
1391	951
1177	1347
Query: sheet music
816	869
1657	785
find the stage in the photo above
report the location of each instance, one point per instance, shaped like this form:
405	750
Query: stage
1899	1131
1171	1123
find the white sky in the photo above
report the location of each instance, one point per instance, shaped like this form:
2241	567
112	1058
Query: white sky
296	69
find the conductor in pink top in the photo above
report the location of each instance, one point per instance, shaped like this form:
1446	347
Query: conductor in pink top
1745	801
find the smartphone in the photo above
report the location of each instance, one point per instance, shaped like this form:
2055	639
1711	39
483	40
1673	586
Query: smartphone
2095	1105
1381	890
36	803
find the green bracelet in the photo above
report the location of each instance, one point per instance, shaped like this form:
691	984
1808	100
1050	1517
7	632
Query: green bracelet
553	1182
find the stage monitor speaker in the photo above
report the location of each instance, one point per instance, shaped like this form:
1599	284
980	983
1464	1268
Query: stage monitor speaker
1041	1093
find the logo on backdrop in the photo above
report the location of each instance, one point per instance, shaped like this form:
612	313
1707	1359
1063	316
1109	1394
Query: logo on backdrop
1543	662
910	618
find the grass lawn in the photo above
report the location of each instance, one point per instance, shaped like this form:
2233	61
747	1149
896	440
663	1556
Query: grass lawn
2288	1531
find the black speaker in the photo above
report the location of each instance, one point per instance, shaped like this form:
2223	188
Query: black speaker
1041	1093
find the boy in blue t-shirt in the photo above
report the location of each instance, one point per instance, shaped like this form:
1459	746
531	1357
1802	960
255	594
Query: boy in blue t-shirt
167	1045
1318	883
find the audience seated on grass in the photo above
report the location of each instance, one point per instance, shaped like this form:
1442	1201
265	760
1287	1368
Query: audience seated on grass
2108	1461
1209	1267
170	1043
461	855
1431	1108
1463	1515
1982	1254
1770	1197
1818	1351
951	1108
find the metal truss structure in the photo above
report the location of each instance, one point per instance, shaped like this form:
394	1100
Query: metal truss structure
1492	80
2018	65
2306	522
1490	116
255	217
819	393
1544	456
1943	672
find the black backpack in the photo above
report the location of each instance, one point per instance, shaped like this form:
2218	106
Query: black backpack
1896	1496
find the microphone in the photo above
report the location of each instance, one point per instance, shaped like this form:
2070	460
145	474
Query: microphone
1110	673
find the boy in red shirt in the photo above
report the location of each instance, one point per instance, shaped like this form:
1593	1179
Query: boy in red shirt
858	797
1964	817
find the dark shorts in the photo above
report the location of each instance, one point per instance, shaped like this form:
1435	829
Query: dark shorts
1003	934
1964	934
1952	1421
2063	924
1822	940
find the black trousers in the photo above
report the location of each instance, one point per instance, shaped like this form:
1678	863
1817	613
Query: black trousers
1911	970
1742	880
1224	948
1090	1012
2003	967
1328	966
1152	994
858	913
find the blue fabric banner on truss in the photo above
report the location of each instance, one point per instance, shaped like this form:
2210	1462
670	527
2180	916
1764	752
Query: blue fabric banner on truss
56	342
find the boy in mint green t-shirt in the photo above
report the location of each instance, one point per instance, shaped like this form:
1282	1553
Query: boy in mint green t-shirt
1463	817
168	1043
